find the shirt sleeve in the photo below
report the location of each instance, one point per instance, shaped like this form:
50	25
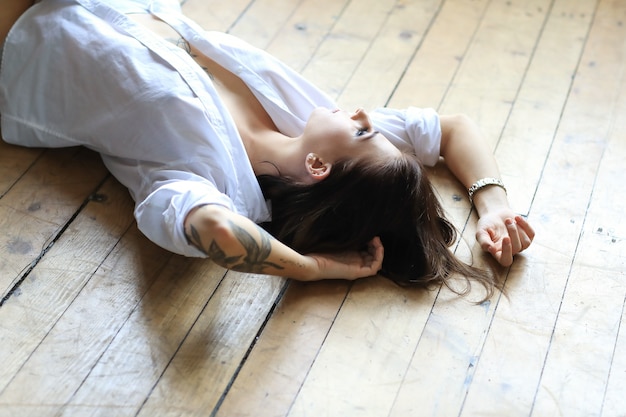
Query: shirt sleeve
414	130
161	216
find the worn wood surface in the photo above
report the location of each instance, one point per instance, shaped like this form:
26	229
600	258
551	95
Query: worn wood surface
97	321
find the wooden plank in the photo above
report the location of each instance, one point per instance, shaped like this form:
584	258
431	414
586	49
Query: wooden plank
520	337
277	366
263	20
38	206
610	230
67	353
211	354
14	162
299	39
367	351
488	79
123	377
443	364
539	105
215	14
614	400
347	43
573	383
29	315
389	54
433	68
591	309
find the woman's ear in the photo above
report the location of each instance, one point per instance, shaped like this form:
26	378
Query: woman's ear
316	167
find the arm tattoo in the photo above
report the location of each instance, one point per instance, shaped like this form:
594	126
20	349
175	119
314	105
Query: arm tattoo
255	259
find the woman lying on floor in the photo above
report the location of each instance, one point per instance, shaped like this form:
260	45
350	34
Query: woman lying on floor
214	137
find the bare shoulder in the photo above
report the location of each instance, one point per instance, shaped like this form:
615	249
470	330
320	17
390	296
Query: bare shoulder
11	10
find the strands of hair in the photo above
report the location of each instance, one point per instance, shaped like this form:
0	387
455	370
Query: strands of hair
361	199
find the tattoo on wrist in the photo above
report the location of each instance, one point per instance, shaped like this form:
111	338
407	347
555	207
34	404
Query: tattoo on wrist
255	258
294	263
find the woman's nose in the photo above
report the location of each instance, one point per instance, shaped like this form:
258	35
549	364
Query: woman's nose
361	115
357	114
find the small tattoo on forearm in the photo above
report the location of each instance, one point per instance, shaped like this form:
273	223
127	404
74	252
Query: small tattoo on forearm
289	262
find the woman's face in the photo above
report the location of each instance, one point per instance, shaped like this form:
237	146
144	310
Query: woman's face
336	135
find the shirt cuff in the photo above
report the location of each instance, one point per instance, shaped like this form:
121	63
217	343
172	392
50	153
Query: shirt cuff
161	216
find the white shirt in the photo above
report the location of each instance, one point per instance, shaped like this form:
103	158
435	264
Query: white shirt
79	72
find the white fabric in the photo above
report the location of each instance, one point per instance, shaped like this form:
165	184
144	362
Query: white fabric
79	72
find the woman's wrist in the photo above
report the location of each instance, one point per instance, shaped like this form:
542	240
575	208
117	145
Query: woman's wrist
482	183
306	268
489	199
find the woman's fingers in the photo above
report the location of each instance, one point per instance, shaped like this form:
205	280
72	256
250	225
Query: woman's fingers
506	254
516	243
377	253
527	232
485	240
505	238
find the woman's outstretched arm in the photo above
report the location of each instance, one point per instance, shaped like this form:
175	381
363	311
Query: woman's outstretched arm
499	231
237	243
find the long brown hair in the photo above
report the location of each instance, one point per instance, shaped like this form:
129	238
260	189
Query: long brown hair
361	199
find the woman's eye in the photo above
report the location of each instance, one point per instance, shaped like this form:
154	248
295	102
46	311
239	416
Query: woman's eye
362	131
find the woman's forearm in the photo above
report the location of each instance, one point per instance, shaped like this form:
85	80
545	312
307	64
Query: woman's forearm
234	242
470	159
237	243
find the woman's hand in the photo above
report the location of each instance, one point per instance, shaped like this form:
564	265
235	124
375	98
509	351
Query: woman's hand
504	234
350	265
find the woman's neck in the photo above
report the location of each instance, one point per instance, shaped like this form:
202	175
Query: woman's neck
270	152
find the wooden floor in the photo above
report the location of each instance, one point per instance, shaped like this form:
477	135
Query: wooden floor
97	321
